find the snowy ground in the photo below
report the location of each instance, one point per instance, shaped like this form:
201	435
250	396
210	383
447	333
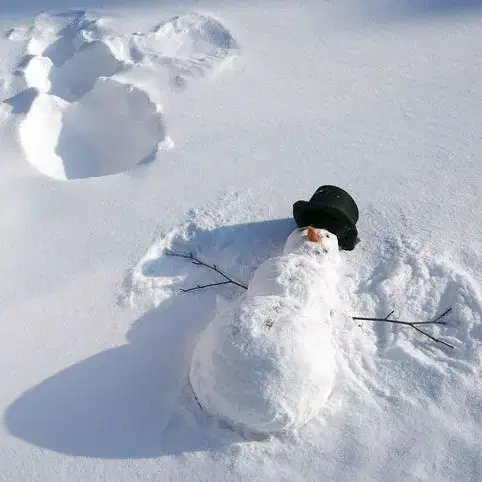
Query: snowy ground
195	125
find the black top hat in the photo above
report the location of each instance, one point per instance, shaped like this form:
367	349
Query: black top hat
333	209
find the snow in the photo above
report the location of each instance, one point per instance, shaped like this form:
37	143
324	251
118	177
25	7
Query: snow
265	362
70	70
130	130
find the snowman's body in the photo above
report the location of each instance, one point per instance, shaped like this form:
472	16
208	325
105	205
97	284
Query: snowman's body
265	363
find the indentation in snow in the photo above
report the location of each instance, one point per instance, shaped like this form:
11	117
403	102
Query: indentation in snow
193	38
111	129
418	287
190	34
228	238
186	47
93	126
386	362
79	73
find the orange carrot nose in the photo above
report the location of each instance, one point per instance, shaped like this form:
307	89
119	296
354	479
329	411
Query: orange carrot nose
312	235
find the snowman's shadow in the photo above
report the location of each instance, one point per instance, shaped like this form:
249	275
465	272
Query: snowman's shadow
134	401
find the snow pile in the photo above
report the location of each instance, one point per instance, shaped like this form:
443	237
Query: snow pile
90	111
111	129
265	363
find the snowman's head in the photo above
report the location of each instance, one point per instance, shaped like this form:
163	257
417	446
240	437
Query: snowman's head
315	242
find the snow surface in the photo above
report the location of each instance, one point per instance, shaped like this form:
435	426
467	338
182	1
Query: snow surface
129	130
70	69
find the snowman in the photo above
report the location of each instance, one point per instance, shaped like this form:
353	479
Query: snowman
265	363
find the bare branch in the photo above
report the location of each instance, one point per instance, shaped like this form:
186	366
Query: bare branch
229	280
446	312
195	260
200	287
429	323
363	318
436	340
413	325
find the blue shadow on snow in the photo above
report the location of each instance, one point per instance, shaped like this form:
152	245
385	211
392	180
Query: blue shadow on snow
134	401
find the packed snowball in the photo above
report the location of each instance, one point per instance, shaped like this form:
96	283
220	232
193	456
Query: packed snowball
265	363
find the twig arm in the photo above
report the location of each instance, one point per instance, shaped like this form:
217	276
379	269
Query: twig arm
200	287
195	260
436	340
229	280
413	324
398	322
446	312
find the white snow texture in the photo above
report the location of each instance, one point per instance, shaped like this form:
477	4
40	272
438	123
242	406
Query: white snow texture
89	114
140	129
265	363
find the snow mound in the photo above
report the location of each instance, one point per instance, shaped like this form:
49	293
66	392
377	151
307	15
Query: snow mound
39	132
83	123
111	129
36	73
67	59
265	363
79	62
